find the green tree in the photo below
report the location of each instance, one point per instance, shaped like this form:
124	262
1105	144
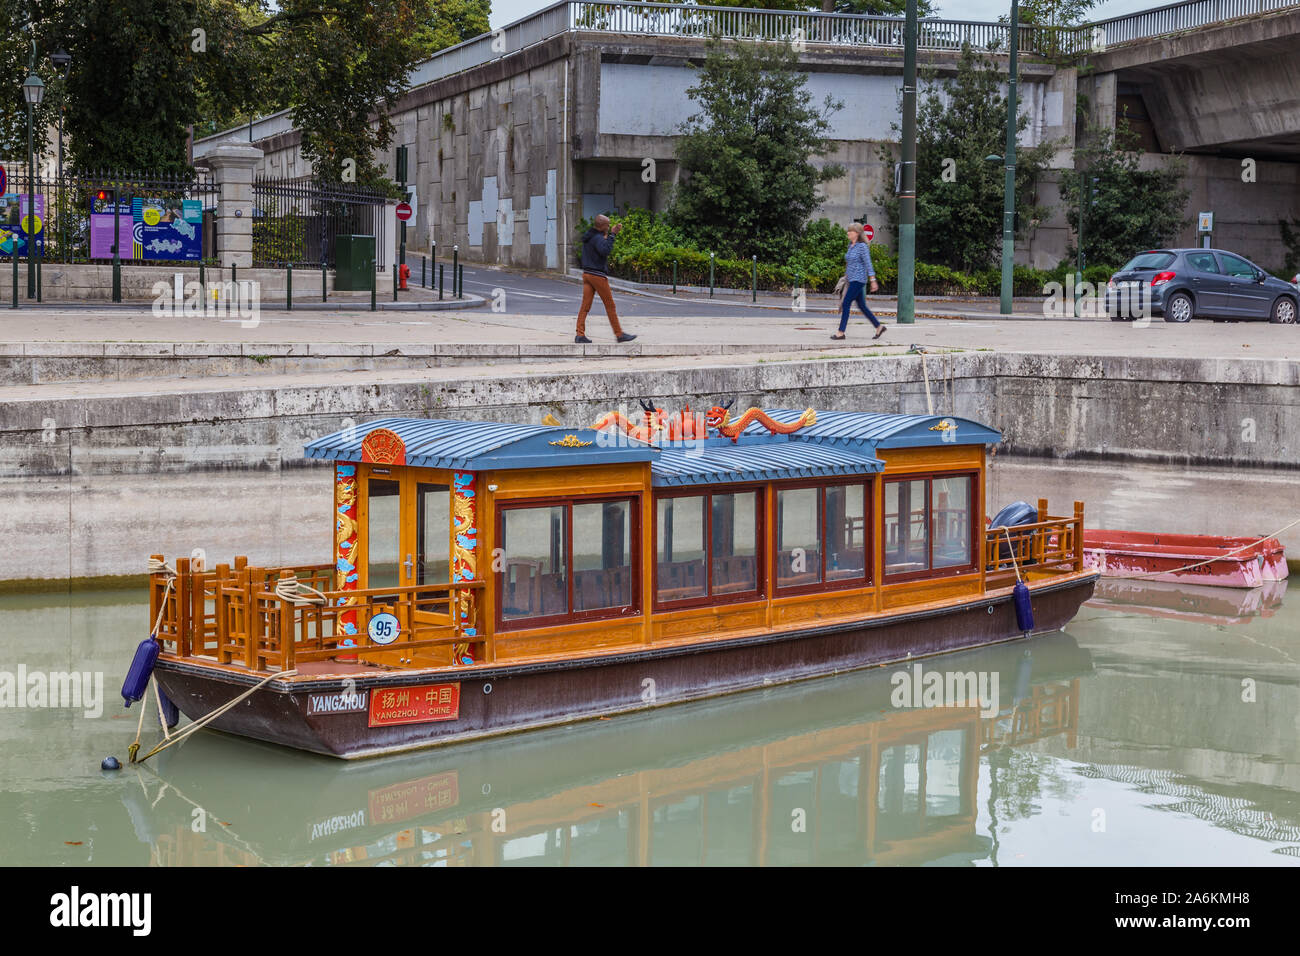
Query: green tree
131	88
749	183
960	120
15	57
1129	208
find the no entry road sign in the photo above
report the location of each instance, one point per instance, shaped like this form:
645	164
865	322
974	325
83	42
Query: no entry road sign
868	233
403	211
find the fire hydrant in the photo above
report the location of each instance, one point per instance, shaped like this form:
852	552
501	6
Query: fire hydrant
404	273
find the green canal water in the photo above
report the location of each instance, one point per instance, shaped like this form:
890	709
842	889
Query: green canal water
1161	727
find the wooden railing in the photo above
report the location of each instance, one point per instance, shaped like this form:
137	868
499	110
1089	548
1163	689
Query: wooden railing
1051	545
233	614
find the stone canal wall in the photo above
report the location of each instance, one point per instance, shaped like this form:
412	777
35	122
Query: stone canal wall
97	482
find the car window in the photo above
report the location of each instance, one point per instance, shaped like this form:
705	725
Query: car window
1149	260
1202	261
1236	266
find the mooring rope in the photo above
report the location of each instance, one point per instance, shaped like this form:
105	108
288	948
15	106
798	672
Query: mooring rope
208	718
291	589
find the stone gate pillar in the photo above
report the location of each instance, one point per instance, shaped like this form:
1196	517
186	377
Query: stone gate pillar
232	167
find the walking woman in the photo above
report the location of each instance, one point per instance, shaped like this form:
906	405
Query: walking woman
857	270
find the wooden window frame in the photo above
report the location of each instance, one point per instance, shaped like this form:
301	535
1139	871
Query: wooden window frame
868	484
709	599
929	477
620	612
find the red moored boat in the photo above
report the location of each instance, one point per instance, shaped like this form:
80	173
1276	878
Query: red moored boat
1217	560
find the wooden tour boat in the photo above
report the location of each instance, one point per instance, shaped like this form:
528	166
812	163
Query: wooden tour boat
489	578
1201	559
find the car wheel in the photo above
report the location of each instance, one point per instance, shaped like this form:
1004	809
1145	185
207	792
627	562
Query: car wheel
1284	312
1179	308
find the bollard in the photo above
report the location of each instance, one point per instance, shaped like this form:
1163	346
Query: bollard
753	282
374	281
15	303
288	286
394	283
710	275
234	277
674	277
38	275
423	266
324	281
203	286
442	277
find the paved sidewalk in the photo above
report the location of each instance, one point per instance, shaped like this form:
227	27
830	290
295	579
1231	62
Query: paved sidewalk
762	331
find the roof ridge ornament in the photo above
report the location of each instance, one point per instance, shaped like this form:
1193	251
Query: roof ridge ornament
383	446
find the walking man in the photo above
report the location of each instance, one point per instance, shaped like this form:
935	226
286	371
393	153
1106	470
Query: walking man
597	244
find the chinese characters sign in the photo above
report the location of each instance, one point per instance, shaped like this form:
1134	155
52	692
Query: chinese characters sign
414	705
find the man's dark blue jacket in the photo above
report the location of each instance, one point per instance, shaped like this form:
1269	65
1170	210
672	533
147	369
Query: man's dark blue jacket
595	251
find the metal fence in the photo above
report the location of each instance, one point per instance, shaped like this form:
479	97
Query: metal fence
160	220
296	221
1173	18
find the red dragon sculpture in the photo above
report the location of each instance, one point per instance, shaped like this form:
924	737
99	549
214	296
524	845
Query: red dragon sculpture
686	425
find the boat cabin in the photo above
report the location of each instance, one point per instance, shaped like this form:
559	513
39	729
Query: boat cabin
459	543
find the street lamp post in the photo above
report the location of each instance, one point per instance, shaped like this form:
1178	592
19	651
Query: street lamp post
62	61
33	93
1009	199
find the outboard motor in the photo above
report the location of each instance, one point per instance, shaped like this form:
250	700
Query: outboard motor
1015	514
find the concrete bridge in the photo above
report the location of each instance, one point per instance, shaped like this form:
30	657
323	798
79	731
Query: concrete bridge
515	135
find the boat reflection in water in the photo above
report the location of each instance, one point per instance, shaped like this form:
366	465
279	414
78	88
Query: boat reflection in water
1188	602
827	772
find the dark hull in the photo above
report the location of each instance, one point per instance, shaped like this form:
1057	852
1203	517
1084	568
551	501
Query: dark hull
506	698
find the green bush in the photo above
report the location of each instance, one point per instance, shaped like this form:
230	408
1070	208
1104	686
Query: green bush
648	246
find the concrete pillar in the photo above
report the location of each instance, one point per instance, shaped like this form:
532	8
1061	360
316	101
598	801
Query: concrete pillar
1101	94
232	166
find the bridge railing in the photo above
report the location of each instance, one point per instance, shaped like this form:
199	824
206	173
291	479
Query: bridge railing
1172	18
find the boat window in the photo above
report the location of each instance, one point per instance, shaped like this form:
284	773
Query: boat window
821	535
846	532
570	560
929	524
602	555
534	584
681	544
798	557
383	533
706	546
907	544
951	521
433	542
735	542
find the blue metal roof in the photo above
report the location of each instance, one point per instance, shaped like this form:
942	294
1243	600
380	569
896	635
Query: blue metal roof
872	430
840	443
721	462
480	446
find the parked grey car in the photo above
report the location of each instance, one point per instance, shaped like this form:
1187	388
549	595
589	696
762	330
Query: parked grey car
1182	284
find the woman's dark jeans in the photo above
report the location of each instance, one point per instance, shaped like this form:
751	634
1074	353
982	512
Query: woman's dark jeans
856	292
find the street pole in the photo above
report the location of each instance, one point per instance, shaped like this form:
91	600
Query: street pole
1009	198
1084	183
30	227
907	183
